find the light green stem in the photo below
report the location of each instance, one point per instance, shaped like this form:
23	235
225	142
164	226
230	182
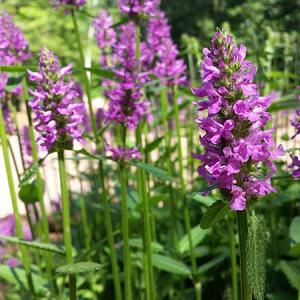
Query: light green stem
66	220
25	255
186	213
234	278
107	216
243	232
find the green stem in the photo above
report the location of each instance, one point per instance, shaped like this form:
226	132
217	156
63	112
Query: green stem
107	216
125	232
40	186
186	213
25	255
142	188
166	131
234	278
66	220
243	232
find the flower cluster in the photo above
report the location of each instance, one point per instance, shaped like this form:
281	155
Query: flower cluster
58	111
135	7
125	106
13	45
122	153
239	152
78	3
8	119
164	52
105	36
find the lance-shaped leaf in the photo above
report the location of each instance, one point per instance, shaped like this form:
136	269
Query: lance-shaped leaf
156	172
79	267
33	244
214	214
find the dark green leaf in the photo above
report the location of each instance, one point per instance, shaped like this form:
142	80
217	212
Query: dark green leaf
212	263
138	243
213	214
295	230
292	272
153	145
29	193
103	73
29	175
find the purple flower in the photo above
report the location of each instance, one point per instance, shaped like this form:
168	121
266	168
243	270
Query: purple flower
295	165
125	106
8	119
237	149
121	153
58	112
135	7
162	52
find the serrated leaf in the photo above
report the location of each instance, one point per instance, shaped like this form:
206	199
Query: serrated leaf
79	267
17	276
256	255
153	145
294	229
214	214
29	175
156	172
34	244
197	235
292	272
170	265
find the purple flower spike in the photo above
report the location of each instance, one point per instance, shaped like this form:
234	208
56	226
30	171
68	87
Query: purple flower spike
59	112
237	149
57	3
26	145
135	7
121	153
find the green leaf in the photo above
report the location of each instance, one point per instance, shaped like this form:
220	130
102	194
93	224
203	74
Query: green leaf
212	263
138	243
13	69
79	267
214	214
197	235
292	272
29	193
256	255
153	145
17	276
186	91
33	244
103	73
29	175
90	155
295	250
124	20
156	172
295	229
170	265
205	200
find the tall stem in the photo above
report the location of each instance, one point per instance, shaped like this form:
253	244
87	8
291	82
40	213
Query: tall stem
66	220
243	232
234	279
39	182
125	232
186	213
107	216
25	255
166	131
142	188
